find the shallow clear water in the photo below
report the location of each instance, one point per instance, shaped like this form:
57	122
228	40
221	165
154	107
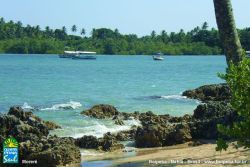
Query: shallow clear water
131	83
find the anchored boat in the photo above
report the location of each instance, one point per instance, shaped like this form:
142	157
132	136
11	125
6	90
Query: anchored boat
78	55
85	55
158	56
68	54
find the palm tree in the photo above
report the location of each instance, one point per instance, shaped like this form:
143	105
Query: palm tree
74	28
64	29
227	30
83	32
153	34
2	20
204	26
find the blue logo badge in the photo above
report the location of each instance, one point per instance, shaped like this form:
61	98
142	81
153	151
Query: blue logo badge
10	151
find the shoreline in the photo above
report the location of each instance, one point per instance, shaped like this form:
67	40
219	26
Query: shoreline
157	138
176	155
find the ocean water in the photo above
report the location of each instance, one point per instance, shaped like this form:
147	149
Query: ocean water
59	89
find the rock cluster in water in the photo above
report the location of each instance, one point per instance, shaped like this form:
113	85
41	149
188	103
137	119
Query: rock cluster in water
155	130
165	130
215	92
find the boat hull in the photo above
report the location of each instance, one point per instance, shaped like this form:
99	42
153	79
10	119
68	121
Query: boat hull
65	56
157	58
84	57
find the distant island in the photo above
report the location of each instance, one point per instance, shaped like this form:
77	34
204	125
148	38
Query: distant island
17	38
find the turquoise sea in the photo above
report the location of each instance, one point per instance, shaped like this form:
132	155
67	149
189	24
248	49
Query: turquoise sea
59	89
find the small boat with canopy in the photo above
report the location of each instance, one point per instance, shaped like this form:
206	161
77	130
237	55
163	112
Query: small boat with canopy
79	55
158	56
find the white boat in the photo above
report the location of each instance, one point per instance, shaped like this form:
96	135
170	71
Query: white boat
68	54
85	55
158	56
78	55
248	54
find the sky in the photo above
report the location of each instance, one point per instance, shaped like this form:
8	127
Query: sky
128	16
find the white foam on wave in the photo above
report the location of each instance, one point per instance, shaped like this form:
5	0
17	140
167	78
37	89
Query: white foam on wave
99	129
68	105
26	106
177	97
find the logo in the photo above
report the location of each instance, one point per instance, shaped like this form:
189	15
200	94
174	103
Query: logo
10	151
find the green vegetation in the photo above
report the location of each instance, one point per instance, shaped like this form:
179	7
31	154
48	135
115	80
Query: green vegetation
16	38
238	79
238	74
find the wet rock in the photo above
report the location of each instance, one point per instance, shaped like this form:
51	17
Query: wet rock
34	144
207	116
150	136
212	109
119	122
53	152
101	111
126	135
194	143
162	135
89	142
179	134
109	143
31	119
215	92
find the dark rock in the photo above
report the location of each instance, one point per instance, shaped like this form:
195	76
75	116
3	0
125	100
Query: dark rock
119	122
208	116
215	92
194	143
126	135
179	134
101	111
150	136
213	110
34	144
53	152
31	119
90	142
162	135
109	143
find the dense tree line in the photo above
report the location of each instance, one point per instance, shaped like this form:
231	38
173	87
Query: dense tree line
17	38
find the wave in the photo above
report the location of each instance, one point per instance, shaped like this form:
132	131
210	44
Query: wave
156	97
64	106
98	130
174	97
26	106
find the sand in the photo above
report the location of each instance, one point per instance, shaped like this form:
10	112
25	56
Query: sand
178	155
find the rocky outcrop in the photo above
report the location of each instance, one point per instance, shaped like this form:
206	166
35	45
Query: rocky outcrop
207	116
165	130
162	135
32	134
52	151
101	111
211	110
89	142
107	143
215	92
30	118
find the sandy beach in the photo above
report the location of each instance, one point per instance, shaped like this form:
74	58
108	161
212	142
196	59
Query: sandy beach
178	155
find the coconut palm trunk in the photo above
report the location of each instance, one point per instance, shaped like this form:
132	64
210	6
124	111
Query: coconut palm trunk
227	31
